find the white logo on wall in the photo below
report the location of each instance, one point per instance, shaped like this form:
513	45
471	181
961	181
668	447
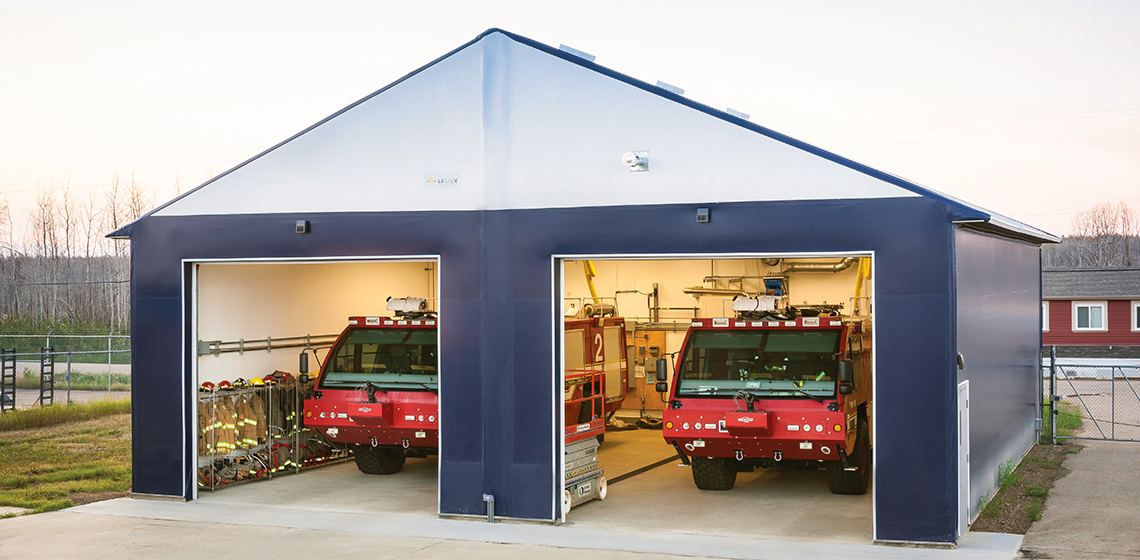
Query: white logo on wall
441	180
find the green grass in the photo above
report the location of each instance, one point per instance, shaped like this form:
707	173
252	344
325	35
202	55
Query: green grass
79	381
1037	491
1068	420
990	505
1006	476
59	414
1035	509
44	468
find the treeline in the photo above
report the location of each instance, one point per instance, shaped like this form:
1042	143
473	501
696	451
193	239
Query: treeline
1108	236
60	268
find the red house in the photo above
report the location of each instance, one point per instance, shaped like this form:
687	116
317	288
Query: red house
1091	312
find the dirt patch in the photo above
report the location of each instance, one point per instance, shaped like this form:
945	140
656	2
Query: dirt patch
83	498
1014	508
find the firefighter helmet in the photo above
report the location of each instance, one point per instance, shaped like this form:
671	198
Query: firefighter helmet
257	382
206	387
269	379
240	383
224	386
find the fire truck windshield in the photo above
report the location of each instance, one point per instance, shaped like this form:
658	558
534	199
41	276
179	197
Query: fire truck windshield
769	363
404	359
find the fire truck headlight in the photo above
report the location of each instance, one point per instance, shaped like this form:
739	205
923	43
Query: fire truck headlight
685	426
322	415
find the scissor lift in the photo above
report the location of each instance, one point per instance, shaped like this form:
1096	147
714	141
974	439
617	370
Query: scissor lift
584	477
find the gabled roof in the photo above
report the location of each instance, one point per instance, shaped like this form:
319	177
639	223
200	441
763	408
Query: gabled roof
511	123
1085	283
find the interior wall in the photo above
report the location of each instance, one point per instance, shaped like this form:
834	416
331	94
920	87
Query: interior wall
252	301
673	276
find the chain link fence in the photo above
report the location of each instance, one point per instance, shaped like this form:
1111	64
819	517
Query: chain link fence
1105	395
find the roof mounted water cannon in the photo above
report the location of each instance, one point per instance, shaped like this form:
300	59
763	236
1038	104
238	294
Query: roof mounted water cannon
598	310
409	307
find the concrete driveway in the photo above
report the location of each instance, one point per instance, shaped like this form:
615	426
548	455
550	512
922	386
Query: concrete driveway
1093	511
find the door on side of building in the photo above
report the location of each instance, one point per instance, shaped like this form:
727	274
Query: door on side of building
964	512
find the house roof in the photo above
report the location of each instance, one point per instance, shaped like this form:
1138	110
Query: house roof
1084	283
513	123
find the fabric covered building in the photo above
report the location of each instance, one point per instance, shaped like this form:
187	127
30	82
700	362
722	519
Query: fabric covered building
503	157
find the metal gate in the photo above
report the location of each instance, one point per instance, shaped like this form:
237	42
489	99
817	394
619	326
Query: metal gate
1105	395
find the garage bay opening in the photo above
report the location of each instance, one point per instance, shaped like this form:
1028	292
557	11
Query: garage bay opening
304	364
734	392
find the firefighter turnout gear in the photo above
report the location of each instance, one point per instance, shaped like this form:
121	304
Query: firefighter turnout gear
251	430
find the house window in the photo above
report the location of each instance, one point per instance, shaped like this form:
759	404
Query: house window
1044	316
1136	316
1090	316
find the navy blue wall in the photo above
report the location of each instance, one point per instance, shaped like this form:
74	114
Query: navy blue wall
495	290
999	335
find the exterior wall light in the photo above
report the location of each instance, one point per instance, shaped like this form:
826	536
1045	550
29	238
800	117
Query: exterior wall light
636	161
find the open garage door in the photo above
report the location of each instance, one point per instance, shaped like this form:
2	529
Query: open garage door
765	345
298	363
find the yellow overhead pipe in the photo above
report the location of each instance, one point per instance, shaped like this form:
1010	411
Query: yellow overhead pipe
864	271
591	272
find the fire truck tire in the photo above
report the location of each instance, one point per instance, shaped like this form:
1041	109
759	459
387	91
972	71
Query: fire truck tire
840	481
378	460
567	500
713	474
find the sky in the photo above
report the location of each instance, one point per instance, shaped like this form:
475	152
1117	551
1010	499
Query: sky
1027	108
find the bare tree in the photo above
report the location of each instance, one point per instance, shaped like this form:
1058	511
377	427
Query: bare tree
1104	236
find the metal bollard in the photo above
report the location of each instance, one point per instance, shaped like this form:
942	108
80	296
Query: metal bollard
489	499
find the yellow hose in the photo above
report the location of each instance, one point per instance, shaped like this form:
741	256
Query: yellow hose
591	272
864	271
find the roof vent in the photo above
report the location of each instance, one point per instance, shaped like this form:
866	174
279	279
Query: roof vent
583	55
670	88
738	114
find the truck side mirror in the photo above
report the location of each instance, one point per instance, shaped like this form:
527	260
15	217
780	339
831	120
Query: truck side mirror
662	370
846	377
662	387
303	367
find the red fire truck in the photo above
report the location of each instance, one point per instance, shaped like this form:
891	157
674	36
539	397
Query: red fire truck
593	345
378	390
773	389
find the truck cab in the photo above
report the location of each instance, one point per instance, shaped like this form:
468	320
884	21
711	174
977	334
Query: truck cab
377	393
773	391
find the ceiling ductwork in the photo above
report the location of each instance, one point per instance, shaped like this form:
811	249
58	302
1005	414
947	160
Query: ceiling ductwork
840	266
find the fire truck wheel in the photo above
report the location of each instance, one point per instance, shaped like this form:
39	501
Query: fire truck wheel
840	481
567	501
378	460
713	474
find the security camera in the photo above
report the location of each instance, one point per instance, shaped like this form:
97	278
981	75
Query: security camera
636	161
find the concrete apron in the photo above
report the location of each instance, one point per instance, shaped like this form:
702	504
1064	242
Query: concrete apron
657	512
330	527
784	504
